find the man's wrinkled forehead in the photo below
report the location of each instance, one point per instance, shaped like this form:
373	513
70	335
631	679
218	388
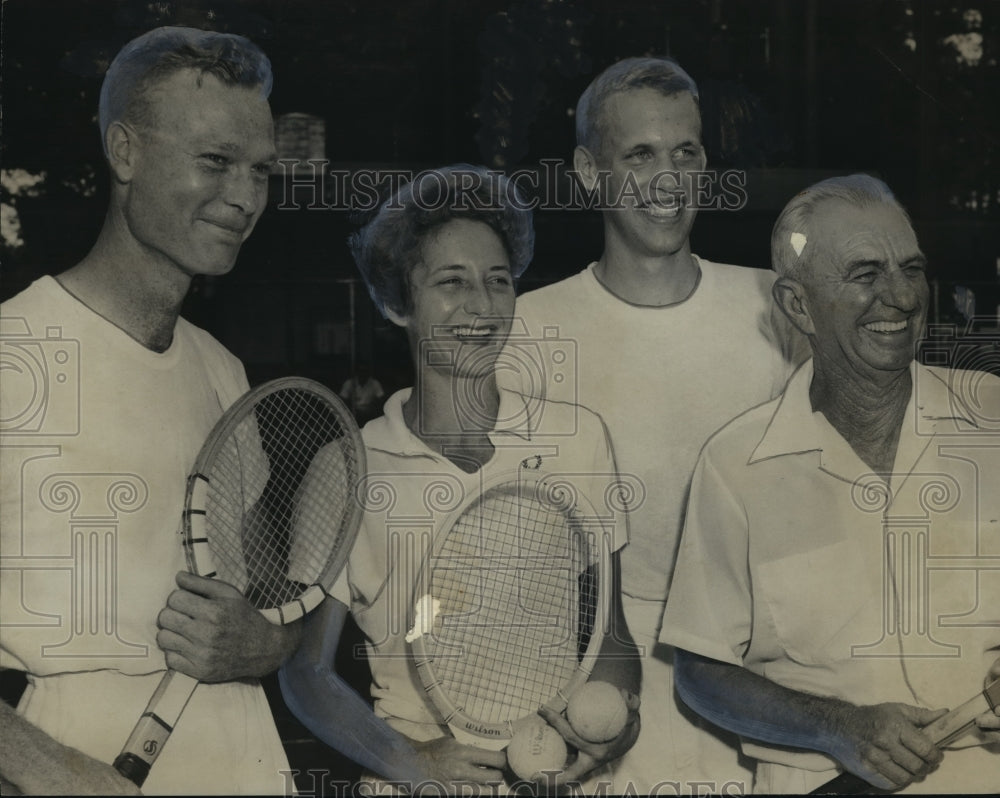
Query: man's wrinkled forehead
848	233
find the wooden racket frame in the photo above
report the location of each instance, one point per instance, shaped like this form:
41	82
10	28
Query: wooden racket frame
498	734
196	545
166	705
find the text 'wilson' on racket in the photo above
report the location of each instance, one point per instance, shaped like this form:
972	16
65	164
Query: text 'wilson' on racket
511	607
271	509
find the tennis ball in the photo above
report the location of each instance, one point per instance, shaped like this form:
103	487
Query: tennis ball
534	748
597	711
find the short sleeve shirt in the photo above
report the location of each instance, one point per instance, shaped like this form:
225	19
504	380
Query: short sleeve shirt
410	490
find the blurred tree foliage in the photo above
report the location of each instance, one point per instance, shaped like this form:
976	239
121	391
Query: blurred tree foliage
906	88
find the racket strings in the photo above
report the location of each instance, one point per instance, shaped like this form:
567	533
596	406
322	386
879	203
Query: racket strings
508	576
279	497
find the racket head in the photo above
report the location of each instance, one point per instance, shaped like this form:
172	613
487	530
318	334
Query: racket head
510	609
272	505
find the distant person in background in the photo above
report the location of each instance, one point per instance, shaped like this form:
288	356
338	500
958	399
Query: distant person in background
96	600
363	394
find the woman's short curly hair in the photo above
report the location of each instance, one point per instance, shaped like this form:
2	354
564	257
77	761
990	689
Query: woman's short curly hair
389	246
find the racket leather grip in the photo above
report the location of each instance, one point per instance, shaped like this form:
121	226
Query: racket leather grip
962	718
154	727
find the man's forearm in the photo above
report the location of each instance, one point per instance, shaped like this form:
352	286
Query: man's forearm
750	705
35	763
883	743
280	648
24	749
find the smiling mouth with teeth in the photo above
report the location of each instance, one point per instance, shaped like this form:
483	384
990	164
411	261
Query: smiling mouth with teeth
886	326
663	209
477	333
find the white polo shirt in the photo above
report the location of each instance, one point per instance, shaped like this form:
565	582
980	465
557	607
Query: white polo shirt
410	490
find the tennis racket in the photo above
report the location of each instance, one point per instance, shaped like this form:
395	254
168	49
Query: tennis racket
271	509
510	609
943	731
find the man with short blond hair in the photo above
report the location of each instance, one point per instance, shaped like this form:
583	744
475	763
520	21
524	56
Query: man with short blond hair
667	347
97	601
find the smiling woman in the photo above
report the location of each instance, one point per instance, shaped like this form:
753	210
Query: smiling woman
440	259
462	295
387	248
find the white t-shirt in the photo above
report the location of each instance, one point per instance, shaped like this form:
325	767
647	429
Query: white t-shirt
98	436
662	378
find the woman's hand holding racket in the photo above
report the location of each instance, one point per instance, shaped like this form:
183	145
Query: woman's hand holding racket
271	512
450	762
511	612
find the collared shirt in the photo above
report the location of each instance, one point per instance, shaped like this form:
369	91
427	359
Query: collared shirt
411	490
800	564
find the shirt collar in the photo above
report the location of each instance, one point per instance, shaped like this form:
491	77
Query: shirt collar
936	400
516	416
390	433
794	428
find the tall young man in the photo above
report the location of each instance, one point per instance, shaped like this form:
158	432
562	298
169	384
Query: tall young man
666	347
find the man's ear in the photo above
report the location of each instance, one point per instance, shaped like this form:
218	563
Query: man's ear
585	165
791	298
123	150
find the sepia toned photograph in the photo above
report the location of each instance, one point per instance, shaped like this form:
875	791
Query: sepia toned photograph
517	397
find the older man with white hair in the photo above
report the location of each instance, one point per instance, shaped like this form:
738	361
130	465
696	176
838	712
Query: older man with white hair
837	585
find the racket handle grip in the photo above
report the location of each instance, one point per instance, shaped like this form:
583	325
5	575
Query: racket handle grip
154	726
132	768
942	731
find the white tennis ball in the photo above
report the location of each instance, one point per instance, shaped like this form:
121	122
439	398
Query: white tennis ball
536	748
597	711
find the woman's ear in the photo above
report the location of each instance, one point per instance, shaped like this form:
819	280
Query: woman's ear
396	318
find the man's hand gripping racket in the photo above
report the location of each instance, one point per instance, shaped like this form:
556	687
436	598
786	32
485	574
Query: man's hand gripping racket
272	509
510	608
943	731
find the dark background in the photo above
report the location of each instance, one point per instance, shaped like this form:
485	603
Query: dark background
792	91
